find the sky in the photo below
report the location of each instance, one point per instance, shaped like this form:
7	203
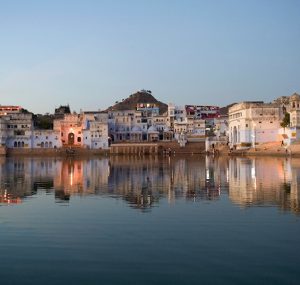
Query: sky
89	54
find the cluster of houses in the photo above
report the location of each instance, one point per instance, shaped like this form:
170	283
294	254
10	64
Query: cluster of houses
244	125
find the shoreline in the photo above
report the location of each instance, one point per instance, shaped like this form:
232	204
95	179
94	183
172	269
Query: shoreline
161	149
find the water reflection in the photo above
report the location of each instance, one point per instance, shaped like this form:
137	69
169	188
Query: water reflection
143	182
265	181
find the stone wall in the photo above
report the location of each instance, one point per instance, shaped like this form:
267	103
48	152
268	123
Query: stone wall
2	150
134	148
55	152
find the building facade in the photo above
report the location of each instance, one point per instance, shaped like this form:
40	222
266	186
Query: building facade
251	123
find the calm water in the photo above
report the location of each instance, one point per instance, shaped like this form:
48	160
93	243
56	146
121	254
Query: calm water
130	220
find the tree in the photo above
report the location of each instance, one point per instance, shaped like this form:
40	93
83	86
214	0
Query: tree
286	121
44	122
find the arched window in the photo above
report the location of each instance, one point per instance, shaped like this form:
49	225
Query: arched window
19	144
50	144
15	144
42	144
235	135
46	144
22	144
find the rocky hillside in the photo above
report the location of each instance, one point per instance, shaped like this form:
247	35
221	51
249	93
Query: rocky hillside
143	96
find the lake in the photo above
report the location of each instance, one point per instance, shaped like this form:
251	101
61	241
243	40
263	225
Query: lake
152	220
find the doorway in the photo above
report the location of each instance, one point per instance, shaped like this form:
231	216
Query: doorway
71	138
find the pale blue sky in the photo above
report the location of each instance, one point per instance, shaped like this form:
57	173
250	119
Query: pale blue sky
91	53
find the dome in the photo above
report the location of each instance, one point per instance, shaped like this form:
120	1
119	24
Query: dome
295	97
136	129
152	129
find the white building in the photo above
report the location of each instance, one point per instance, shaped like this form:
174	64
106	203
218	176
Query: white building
16	130
142	124
87	129
294	117
95	131
187	120
46	139
251	123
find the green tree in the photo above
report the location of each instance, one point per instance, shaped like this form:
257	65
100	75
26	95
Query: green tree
286	121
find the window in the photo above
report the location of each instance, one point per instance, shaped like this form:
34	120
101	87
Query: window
79	139
246	125
62	134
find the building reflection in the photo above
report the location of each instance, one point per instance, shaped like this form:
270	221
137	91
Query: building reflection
265	181
143	182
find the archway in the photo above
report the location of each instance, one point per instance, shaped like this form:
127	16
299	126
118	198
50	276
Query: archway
234	135
71	138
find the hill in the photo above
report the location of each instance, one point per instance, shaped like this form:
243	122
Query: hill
140	97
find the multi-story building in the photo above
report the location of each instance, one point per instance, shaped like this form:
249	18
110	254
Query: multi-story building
294	110
87	129
16	130
70	129
95	130
192	120
144	123
254	122
46	139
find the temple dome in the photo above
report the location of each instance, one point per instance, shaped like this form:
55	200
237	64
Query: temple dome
152	129
136	129
295	97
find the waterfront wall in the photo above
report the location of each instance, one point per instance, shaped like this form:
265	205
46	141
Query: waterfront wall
189	148
2	150
157	148
122	148
55	152
134	148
